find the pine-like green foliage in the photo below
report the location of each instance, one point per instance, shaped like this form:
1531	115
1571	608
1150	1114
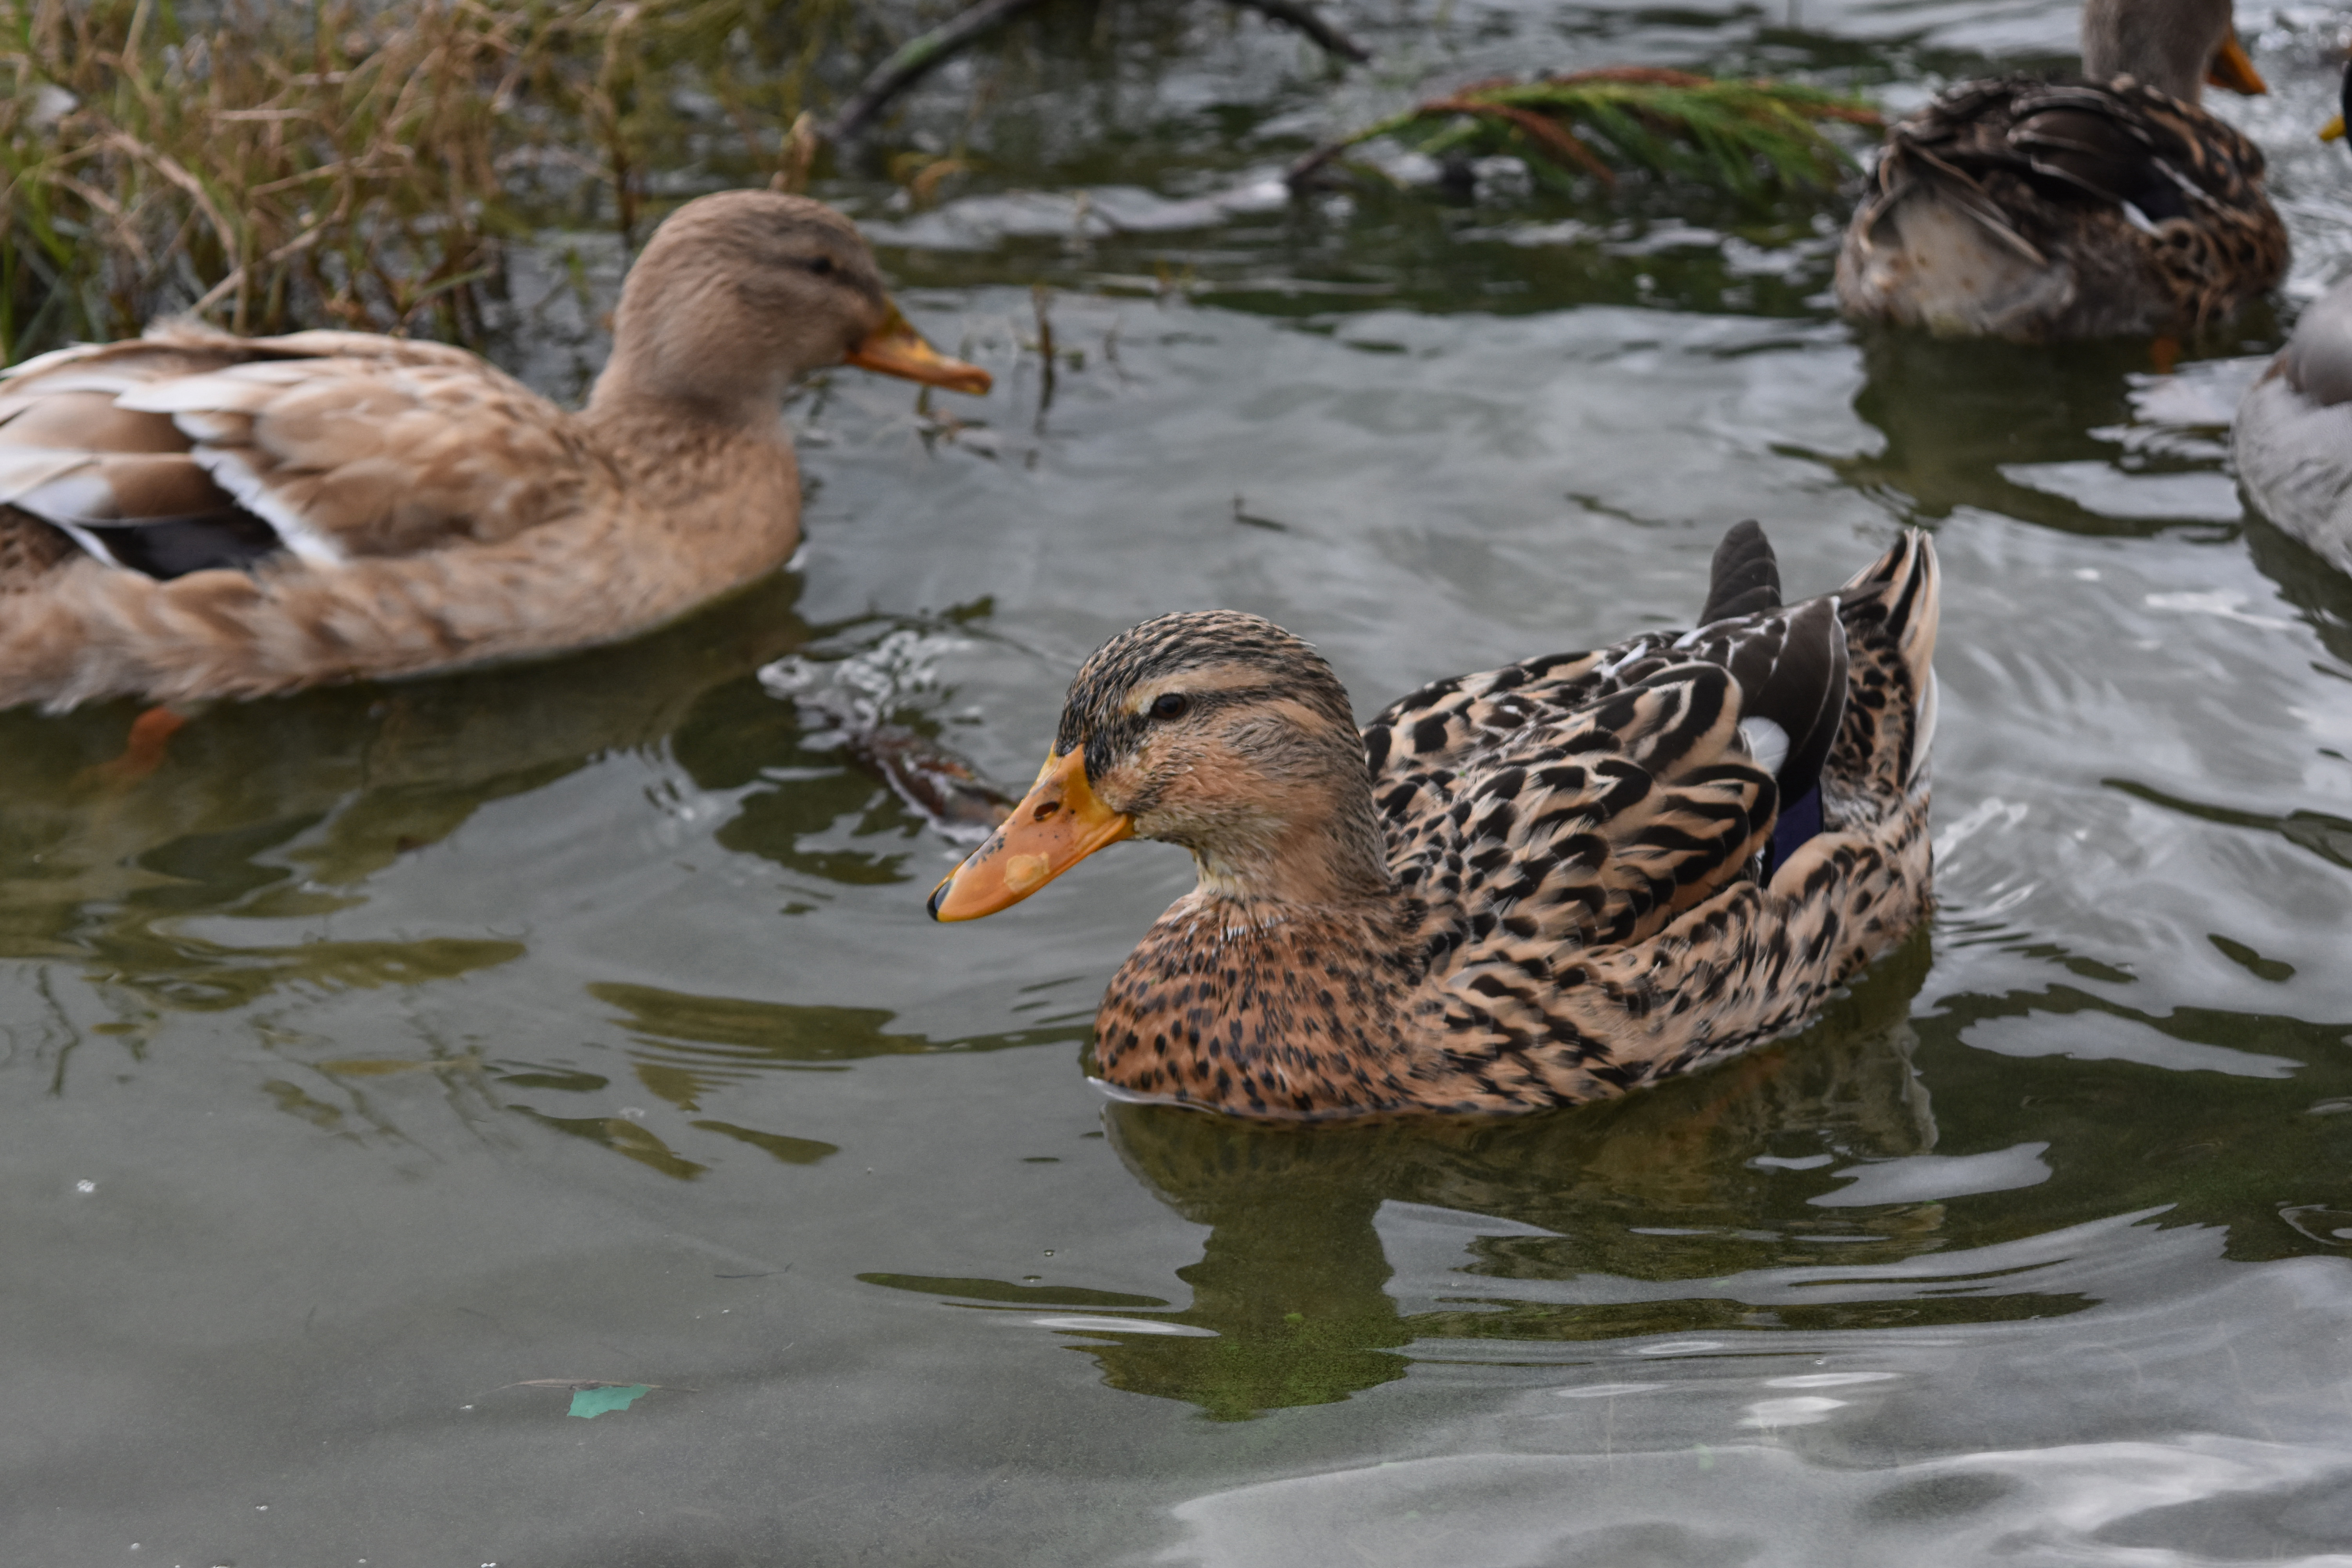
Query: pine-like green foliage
1742	135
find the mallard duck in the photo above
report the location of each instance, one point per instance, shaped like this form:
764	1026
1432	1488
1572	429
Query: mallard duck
2293	437
193	515
1543	884
2039	211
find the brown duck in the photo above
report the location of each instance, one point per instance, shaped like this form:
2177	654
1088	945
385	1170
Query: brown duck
2038	210
1547	883
193	515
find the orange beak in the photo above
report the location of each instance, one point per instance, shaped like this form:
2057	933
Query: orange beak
2232	70
2332	131
1057	823
894	348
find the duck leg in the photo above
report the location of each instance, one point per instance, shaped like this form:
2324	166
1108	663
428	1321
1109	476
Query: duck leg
143	749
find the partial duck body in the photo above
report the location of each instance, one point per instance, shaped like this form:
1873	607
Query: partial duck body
2293	437
1543	884
193	515
2041	211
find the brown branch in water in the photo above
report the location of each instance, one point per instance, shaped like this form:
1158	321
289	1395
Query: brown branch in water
1322	33
915	58
920	54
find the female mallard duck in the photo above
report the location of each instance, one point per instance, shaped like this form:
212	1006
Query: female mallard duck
193	515
1547	883
2036	210
2293	438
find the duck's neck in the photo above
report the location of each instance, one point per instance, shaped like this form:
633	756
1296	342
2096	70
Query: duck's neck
721	483
1315	844
2164	46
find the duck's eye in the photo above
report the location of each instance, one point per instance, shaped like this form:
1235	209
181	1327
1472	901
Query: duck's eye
1170	705
822	266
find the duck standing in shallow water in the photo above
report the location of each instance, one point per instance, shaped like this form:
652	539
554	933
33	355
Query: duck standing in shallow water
1547	883
2292	441
193	515
2041	211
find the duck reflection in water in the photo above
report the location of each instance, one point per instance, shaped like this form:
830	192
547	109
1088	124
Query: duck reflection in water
1293	1280
1957	434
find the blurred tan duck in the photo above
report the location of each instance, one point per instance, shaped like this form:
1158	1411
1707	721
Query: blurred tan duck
1547	883
2039	211
2293	438
194	514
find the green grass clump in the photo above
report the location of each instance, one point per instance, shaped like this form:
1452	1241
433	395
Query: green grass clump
347	161
1744	136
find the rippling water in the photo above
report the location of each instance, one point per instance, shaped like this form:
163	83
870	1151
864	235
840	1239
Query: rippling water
395	1058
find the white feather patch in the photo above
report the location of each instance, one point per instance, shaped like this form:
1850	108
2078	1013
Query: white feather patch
214	390
234	474
112	383
41	363
71	498
24	469
1766	742
204	425
90	542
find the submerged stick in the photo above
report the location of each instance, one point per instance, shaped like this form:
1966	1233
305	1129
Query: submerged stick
1322	33
915	58
920	54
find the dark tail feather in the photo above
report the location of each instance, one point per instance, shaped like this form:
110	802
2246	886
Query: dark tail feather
1746	577
1901	592
1798	681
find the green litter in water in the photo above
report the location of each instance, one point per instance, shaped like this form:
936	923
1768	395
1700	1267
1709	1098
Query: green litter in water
591	1403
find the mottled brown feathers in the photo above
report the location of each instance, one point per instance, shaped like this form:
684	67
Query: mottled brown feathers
2041	211
194	514
1573	845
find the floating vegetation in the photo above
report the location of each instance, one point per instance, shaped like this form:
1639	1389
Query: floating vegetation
1746	136
351	163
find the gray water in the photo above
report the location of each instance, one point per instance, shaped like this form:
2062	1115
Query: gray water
395	1058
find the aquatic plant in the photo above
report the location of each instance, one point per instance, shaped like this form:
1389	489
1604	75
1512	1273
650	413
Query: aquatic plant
1742	135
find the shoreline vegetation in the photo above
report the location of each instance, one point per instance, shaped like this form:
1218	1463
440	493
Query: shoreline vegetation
357	164
350	165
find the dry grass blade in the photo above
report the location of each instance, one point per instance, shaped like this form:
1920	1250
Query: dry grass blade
349	162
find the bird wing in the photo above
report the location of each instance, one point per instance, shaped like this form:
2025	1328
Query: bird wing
191	448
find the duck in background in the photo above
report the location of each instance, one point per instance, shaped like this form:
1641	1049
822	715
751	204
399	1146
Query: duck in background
2039	211
1547	883
2293	437
193	515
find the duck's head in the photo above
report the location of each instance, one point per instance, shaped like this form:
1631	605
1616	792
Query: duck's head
1209	729
2175	45
738	295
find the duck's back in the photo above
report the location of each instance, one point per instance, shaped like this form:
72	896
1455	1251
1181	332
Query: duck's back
1590	838
2037	211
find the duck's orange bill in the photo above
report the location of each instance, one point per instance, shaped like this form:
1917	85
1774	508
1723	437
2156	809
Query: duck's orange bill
1057	823
2232	70
894	348
2332	131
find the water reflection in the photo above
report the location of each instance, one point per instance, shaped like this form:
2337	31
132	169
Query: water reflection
1960	434
1807	1187
1291	1298
284	808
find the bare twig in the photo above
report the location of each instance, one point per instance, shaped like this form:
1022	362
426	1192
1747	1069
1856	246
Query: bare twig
915	58
920	55
1322	33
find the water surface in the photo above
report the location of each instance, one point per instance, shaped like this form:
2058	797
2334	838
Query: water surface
395	1058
